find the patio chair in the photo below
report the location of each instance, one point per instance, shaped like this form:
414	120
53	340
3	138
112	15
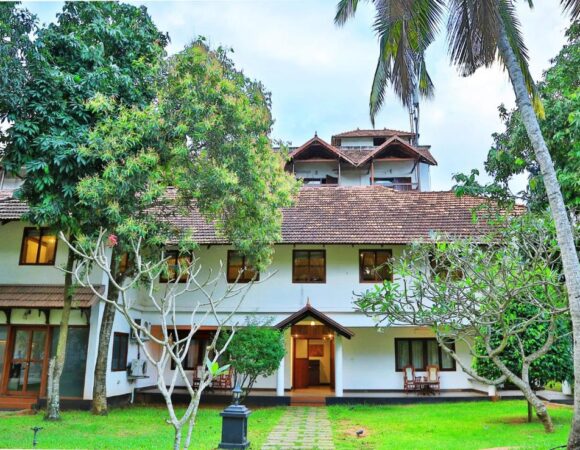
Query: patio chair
223	382
433	377
409	379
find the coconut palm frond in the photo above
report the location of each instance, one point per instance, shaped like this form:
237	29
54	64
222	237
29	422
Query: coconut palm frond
472	31
345	10
426	86
573	7
512	28
379	87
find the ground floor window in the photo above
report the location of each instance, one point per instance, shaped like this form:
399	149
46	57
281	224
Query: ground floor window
421	352
195	352
120	350
72	382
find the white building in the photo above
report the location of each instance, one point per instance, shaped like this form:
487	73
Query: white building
366	196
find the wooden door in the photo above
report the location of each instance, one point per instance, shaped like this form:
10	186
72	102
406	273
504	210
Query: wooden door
27	361
300	363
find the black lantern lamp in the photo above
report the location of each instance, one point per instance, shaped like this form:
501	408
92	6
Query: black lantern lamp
235	423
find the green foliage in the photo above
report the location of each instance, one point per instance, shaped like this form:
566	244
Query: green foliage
220	122
557	364
93	50
255	350
512	152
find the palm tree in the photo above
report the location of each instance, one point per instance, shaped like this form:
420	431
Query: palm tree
479	32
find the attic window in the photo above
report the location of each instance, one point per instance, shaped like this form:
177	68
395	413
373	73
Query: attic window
328	179
379	141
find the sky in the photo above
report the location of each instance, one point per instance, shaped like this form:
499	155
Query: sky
320	74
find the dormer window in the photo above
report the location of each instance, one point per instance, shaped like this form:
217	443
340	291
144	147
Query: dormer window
379	141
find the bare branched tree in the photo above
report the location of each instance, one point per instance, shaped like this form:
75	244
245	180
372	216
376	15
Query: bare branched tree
174	347
472	291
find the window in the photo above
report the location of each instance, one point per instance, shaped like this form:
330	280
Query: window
73	384
120	347
421	352
378	141
328	179
174	262
398	184
195	352
238	266
308	266
441	266
374	267
38	247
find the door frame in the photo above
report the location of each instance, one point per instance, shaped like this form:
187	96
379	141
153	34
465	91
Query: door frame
308	339
9	357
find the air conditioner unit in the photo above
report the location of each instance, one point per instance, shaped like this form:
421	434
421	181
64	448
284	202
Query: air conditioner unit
147	325
137	368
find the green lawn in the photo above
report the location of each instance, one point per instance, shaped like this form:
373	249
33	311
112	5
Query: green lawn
134	427
449	426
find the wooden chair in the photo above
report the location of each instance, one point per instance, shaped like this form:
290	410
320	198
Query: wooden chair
433	377
223	382
409	379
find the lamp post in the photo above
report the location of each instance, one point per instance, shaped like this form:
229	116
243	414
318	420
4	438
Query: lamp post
235	423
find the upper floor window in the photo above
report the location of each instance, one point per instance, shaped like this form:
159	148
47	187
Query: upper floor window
239	269
120	350
398	184
422	352
38	247
175	262
374	266
326	180
309	266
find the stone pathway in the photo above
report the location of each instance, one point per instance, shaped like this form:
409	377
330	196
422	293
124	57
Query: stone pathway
305	428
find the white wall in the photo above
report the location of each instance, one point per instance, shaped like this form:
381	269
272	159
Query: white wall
369	360
11	272
356	142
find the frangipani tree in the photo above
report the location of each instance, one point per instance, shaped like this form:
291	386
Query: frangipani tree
472	291
200	293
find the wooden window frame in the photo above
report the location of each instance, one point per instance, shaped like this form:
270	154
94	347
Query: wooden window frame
360	264
294	281
126	338
42	231
425	362
241	278
165	279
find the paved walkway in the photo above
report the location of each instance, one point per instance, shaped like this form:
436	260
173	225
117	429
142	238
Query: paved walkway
306	428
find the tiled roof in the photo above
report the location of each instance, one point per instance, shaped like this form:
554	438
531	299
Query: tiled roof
385	132
11	208
363	215
358	215
44	296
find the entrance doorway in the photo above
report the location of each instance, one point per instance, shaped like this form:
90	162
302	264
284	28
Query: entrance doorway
27	363
313	355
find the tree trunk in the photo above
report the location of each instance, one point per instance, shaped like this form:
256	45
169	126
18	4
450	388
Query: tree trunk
563	227
177	439
100	377
56	364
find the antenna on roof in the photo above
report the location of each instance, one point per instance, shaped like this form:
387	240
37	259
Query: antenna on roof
414	102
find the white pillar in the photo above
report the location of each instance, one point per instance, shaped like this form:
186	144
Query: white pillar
338	384
280	379
492	390
566	388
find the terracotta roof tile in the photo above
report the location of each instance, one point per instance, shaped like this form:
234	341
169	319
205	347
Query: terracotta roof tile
385	132
362	215
11	208
44	296
358	215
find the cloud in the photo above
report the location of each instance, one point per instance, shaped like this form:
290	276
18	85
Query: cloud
320	75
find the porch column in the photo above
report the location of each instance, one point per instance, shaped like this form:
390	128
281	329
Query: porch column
280	379
338	385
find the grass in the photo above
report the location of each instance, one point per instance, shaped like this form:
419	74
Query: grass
133	427
449	426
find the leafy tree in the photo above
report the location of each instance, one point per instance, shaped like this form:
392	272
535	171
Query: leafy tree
556	364
478	33
512	152
106	49
486	293
254	351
